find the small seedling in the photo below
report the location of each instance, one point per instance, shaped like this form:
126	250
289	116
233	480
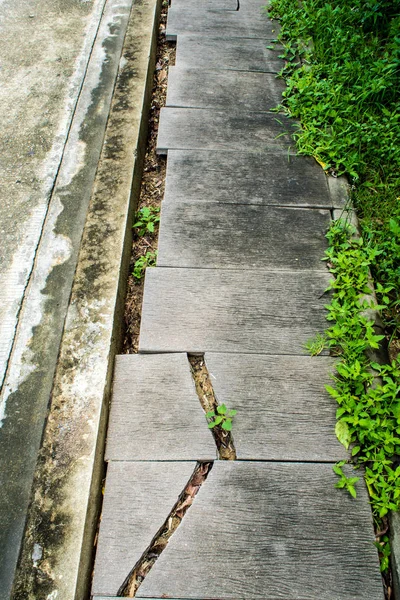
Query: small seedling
147	260
315	345
347	483
147	218
222	416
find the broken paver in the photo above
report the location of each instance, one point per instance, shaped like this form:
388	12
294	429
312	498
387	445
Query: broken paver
192	129
271	178
283	410
210	235
222	310
228	90
271	531
155	411
236	24
222	53
137	502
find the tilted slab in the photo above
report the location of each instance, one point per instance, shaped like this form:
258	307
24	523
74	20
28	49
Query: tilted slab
199	310
283	410
192	129
236	24
227	53
271	531
137	501
155	411
270	178
211	235
228	90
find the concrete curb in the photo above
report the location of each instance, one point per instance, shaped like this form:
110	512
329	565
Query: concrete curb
26	392
58	546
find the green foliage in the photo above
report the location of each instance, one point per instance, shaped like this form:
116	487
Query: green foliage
147	260
343	84
384	552
345	482
368	394
222	416
147	218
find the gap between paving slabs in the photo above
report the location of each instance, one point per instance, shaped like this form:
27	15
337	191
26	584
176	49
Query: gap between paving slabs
152	189
132	582
209	402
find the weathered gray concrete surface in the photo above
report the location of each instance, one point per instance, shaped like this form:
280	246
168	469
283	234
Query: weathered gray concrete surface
271	531
138	499
45	47
155	411
58	98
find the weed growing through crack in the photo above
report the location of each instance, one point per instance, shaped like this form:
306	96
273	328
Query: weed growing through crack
147	219
222	416
147	260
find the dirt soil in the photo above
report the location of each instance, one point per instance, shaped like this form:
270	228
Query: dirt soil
152	188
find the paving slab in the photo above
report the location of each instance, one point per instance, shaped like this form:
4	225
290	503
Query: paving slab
210	235
138	499
228	90
198	129
248	6
155	411
227	53
236	24
222	310
284	412
271	531
227	177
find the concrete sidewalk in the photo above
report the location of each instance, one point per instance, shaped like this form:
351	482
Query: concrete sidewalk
58	71
239	281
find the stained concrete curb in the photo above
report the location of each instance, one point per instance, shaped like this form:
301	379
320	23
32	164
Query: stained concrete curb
28	382
58	545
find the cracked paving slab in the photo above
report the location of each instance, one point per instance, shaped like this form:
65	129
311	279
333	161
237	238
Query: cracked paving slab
155	411
137	501
283	410
270	531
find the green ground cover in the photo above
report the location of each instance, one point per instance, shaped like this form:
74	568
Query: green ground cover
343	86
345	90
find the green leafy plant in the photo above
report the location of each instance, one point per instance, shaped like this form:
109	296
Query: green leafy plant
147	260
345	482
368	394
222	416
384	552
147	218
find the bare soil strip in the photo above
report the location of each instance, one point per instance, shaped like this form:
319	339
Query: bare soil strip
152	188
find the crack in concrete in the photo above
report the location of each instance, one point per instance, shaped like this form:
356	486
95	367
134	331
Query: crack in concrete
208	400
141	569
